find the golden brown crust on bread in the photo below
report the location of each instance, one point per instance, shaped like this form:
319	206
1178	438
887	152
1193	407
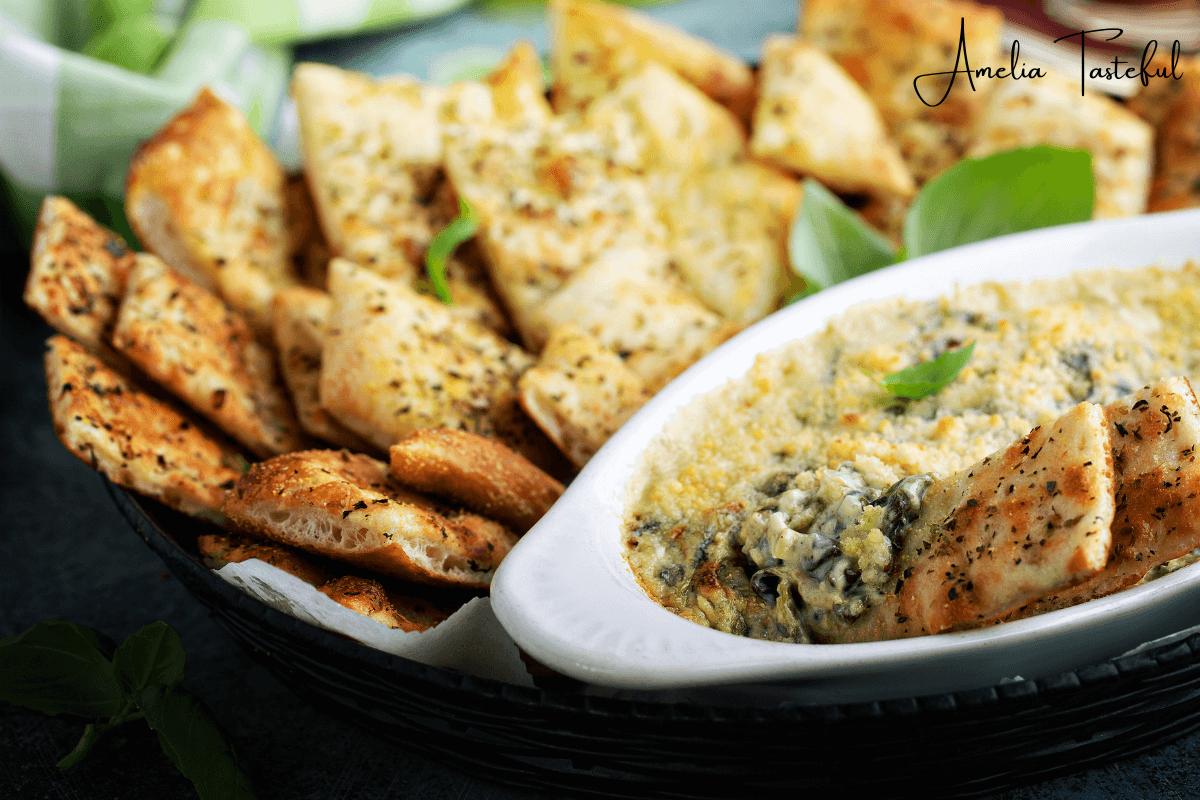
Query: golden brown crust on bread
518	85
1177	166
477	472
78	272
137	441
220	549
368	597
345	507
203	352
208	197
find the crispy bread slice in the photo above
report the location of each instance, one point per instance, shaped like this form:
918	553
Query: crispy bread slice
78	272
209	198
137	441
729	230
219	549
654	119
580	393
203	352
1051	111
372	151
307	249
344	506
1022	523
477	472
300	317
549	202
1155	435
594	45
395	361
886	44
812	118
1176	181
368	597
518	85
659	329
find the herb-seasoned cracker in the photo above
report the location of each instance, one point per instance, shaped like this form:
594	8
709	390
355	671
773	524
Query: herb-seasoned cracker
477	472
580	393
300	317
812	118
372	153
345	507
78	272
886	44
594	45
137	441
202	351
395	361
209	198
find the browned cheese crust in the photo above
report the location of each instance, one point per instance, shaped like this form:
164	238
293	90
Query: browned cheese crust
201	350
477	472
220	549
78	271
208	197
135	440
344	506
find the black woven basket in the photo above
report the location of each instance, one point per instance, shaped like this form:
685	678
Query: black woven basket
962	744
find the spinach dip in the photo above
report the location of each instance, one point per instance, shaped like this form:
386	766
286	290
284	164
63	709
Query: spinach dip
776	506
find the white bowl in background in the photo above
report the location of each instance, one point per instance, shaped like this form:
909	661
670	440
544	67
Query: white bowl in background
568	597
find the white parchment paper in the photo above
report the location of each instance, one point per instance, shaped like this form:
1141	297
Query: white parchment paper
471	640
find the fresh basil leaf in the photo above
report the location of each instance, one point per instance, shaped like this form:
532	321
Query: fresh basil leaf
153	655
190	738
928	377
829	243
1017	190
461	229
60	668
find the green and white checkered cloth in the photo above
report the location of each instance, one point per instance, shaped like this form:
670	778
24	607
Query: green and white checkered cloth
82	82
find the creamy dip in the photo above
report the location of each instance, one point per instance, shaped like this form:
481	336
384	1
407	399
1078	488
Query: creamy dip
775	506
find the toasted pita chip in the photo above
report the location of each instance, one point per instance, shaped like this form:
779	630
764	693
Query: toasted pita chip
78	272
580	393
203	352
344	506
659	329
219	549
300	317
477	472
395	361
886	44
549	202
1050	110
137	441
812	118
729	230
518	85
1022	523
1176	181
594	45
1155	435
372	152
654	119
208	197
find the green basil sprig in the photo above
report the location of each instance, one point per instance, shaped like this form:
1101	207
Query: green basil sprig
928	377
64	668
460	229
976	199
